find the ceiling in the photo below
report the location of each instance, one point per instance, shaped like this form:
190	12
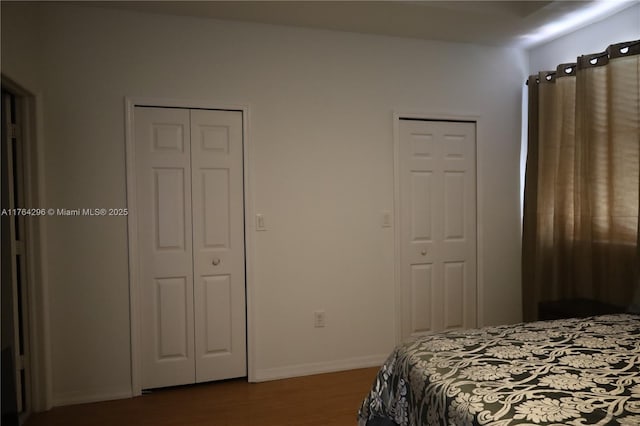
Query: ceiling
500	23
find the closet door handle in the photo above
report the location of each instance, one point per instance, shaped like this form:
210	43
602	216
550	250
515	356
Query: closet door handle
216	261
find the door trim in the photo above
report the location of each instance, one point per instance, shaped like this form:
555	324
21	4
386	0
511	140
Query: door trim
134	286
39	334
397	116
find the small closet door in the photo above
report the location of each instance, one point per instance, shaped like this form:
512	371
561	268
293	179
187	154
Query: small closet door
437	162
218	244
189	185
163	189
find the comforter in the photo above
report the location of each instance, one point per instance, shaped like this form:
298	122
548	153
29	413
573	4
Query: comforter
564	372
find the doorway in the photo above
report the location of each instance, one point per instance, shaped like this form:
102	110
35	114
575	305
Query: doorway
16	371
187	245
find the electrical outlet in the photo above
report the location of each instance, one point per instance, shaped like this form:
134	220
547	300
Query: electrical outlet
318	319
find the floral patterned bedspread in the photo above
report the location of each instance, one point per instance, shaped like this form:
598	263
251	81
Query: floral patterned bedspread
564	372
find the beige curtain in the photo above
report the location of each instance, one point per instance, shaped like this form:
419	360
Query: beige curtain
580	227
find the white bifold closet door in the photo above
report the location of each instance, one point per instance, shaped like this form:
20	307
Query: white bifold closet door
190	217
437	225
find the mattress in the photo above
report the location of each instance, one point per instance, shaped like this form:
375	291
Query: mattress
564	372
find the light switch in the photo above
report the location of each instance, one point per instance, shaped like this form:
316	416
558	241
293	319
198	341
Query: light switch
386	219
260	222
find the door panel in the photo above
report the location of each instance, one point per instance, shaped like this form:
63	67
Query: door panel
172	318
454	206
215	208
218	241
217	291
169	216
454	294
163	188
421	297
437	226
421	200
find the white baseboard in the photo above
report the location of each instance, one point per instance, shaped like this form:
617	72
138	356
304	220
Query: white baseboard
83	397
298	370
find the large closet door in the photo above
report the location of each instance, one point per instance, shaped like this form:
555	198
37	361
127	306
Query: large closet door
437	226
189	186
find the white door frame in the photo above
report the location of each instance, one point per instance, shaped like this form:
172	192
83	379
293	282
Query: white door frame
39	334
134	281
397	115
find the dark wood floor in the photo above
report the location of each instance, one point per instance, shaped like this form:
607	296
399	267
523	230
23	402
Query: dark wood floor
322	400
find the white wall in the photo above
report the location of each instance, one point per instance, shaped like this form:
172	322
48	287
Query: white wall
20	45
321	107
623	26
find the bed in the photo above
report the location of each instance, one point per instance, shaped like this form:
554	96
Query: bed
564	372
